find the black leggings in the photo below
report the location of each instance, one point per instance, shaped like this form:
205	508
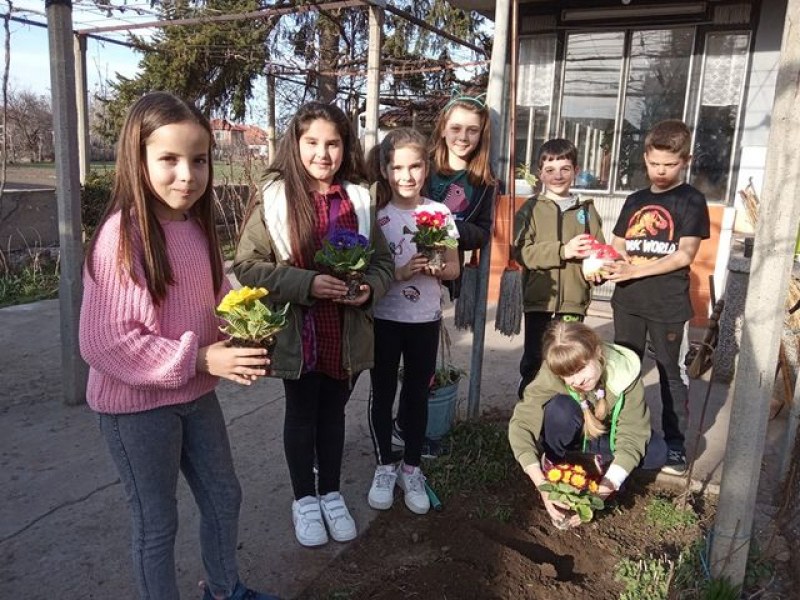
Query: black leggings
417	343
314	428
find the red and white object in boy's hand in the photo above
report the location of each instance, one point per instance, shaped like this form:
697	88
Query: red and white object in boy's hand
600	255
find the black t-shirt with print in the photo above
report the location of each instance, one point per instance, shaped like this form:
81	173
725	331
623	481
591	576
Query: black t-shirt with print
652	225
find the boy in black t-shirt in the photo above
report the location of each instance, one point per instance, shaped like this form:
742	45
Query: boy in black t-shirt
658	233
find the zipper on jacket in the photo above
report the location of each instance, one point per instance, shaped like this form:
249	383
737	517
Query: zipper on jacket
560	299
346	348
299	330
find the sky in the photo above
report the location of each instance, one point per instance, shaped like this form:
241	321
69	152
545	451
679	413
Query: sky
30	65
30	62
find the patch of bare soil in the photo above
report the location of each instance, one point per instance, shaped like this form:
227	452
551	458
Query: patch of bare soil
498	543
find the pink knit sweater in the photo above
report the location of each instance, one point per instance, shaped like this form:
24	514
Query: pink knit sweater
142	356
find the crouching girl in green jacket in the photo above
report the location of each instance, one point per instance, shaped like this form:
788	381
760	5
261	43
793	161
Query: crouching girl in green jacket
588	398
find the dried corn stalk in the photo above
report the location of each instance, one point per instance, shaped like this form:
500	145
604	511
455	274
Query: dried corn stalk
751	202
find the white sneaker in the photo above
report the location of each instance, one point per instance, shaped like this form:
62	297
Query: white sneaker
413	484
307	518
381	494
340	524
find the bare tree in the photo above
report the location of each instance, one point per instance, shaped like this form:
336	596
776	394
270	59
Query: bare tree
29	126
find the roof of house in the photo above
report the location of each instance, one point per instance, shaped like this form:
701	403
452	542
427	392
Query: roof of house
255	136
224	125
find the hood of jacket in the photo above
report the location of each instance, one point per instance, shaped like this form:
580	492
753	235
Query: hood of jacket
622	368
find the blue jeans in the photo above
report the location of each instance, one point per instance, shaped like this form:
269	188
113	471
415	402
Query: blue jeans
562	432
149	449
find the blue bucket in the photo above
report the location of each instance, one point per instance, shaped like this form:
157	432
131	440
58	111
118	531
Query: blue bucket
441	411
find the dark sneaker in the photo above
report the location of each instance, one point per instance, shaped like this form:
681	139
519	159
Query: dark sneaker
239	593
434	448
397	435
676	463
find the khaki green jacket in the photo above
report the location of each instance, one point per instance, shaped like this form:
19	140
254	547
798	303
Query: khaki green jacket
622	368
256	265
551	283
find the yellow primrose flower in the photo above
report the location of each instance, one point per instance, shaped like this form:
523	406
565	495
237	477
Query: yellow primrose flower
593	487
554	475
248	294
565	476
578	480
579	469
238	297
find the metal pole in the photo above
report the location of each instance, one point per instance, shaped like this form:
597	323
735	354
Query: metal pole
373	76
270	114
65	126
82	100
495	102
763	317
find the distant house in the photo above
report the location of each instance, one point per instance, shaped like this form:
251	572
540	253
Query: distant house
256	140
232	139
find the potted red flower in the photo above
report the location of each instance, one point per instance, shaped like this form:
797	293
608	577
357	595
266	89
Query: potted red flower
431	237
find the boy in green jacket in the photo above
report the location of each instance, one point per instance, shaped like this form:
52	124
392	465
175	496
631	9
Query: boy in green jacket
554	231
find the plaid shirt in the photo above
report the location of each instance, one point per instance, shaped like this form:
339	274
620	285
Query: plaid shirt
322	323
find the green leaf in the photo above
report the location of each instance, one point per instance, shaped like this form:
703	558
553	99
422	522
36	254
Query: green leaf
584	513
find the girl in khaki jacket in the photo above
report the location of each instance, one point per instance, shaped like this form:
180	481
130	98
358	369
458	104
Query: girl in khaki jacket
587	398
328	340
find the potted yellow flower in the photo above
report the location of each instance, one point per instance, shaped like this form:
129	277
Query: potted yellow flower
249	322
572	486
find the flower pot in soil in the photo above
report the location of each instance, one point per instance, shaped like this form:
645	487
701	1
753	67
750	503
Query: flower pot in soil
434	254
268	343
353	279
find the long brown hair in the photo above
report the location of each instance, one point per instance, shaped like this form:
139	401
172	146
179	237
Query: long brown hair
134	198
298	184
380	157
567	348
479	170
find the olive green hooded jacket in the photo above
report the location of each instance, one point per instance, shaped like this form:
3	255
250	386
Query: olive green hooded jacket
550	282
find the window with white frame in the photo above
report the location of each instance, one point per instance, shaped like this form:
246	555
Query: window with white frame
607	88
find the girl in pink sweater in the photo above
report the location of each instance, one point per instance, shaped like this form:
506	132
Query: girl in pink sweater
149	334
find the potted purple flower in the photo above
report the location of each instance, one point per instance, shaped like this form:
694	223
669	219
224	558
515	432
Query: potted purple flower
346	255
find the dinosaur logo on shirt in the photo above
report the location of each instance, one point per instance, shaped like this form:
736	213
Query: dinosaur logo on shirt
650	234
650	221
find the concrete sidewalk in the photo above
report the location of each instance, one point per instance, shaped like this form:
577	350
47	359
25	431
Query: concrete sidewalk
64	524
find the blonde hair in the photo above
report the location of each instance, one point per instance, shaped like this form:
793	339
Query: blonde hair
567	348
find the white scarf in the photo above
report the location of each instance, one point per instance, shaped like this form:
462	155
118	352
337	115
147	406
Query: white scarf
276	214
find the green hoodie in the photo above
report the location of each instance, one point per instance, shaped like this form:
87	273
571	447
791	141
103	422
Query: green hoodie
550	282
622	375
